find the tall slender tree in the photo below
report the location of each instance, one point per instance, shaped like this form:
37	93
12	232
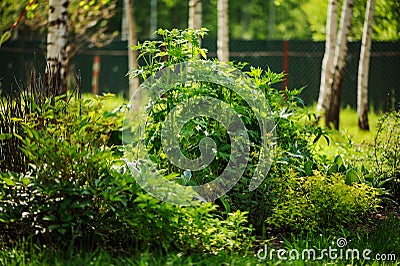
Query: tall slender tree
271	20
338	67
363	67
195	17
153	18
57	44
132	40
223	32
327	62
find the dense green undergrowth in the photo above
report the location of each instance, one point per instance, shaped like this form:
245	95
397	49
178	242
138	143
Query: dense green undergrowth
72	199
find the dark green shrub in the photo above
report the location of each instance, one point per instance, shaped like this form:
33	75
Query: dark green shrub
386	155
70	162
189	229
78	192
295	127
17	105
296	133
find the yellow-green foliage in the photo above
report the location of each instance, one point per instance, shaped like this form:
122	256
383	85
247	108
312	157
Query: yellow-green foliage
320	202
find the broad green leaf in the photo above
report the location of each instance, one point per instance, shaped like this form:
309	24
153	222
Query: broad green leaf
308	167
62	230
203	53
333	168
5	136
227	206
351	177
338	160
6	35
171	176
9	181
49	217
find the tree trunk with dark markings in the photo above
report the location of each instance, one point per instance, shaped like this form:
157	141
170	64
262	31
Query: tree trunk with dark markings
338	67
363	67
56	47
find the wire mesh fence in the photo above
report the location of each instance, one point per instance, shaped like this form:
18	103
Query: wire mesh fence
301	60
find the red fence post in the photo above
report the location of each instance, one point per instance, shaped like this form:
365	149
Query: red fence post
95	74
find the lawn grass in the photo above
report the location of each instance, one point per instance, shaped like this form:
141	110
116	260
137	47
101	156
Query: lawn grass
109	103
349	136
384	240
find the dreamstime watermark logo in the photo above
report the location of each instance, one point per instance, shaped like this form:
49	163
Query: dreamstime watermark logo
340	252
187	74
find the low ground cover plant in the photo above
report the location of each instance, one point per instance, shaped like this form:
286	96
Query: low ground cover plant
320	203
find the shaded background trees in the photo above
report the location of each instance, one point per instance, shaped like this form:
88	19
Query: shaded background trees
98	23
87	24
290	19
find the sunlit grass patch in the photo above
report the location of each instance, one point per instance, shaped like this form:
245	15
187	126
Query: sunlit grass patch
108	103
349	134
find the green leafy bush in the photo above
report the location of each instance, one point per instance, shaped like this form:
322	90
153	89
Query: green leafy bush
321	202
179	46
296	129
386	155
296	132
63	193
79	192
189	229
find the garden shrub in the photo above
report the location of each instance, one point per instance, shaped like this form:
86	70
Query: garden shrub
189	229
296	129
66	145
386	155
78	191
296	132
321	202
17	105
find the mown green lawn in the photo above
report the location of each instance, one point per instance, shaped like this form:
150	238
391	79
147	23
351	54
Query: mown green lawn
349	131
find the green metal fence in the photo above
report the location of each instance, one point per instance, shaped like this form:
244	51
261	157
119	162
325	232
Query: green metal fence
301	60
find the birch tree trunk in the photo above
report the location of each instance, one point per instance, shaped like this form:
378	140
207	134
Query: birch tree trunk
56	47
223	32
195	19
327	62
339	64
363	67
132	40
153	18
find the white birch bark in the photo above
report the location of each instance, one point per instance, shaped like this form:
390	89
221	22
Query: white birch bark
363	67
57	44
223	32
327	62
195	18
153	18
339	64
